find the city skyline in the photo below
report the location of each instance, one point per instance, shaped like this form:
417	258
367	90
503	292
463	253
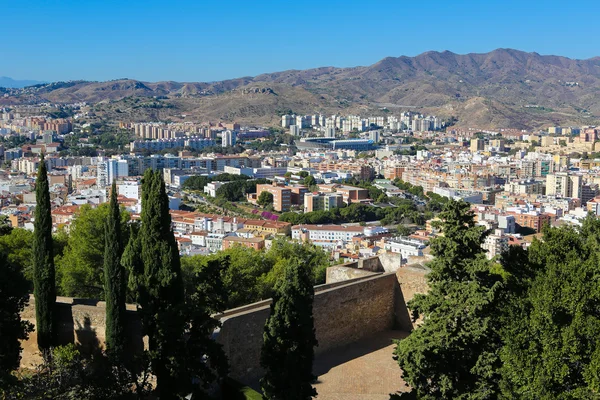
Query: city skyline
211	42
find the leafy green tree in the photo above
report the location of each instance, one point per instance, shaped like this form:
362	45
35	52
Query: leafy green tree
69	375
289	337
309	181
303	174
43	263
14	295
81	268
552	348
250	275
197	182
265	199
17	245
454	353
115	283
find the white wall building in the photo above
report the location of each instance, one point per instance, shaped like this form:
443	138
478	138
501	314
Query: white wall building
326	235
405	246
212	187
229	138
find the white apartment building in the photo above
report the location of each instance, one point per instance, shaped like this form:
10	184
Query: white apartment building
495	243
326	235
564	185
129	189
405	246
229	138
109	170
212	187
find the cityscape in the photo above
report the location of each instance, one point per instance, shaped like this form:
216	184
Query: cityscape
242	221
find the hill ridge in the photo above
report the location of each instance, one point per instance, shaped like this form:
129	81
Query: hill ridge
482	89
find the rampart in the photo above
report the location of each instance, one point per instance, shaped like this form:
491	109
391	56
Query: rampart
344	312
82	322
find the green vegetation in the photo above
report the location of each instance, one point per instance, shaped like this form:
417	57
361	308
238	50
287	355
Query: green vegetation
14	291
524	328
289	337
459	312
237	190
412	151
71	374
44	282
177	318
274	143
551	344
81	268
404	212
17	245
158	284
414	190
234	390
198	182
115	283
265	199
250	275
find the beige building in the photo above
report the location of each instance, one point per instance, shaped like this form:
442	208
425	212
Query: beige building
322	201
477	145
282	196
564	184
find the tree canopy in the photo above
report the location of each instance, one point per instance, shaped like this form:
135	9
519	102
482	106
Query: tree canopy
454	353
80	270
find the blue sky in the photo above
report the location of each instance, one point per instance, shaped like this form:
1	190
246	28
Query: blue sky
198	40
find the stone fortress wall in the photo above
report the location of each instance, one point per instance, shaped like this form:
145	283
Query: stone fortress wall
358	300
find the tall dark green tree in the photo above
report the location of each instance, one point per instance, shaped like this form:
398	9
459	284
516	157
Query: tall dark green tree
114	283
552	345
202	360
289	337
160	286
43	263
454	353
13	298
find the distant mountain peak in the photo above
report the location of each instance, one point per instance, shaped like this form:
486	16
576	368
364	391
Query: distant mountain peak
11	83
483	90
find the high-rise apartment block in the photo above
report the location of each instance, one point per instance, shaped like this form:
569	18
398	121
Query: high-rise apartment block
477	145
229	138
109	170
564	184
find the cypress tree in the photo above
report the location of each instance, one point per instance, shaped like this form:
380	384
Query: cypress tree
289	337
43	263
114	283
161	294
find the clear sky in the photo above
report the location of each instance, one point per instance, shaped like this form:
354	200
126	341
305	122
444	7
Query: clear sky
199	40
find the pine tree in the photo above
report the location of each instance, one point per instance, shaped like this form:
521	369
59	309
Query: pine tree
115	285
454	353
161	294
289	337
43	263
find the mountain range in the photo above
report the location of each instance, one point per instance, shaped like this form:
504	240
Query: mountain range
7	82
504	88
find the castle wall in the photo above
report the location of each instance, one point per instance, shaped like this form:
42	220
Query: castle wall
343	314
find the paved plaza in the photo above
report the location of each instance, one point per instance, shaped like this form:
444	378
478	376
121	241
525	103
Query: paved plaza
364	370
